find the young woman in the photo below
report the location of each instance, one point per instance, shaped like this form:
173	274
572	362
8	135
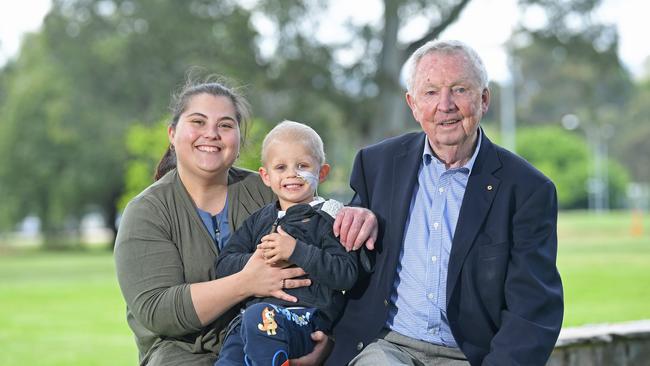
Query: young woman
171	233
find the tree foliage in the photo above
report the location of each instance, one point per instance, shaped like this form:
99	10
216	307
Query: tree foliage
570	65
569	76
145	146
564	157
631	145
98	67
94	69
82	107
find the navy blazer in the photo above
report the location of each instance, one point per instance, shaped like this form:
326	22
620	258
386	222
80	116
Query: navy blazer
504	293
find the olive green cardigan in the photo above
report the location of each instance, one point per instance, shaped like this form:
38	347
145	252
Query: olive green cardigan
162	246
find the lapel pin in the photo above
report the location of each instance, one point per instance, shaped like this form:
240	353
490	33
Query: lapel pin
489	187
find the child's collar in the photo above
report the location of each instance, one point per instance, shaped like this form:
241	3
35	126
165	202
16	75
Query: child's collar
313	203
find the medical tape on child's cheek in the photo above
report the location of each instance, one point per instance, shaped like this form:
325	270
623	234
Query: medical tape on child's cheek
309	177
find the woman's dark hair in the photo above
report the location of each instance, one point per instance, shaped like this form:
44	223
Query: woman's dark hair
214	86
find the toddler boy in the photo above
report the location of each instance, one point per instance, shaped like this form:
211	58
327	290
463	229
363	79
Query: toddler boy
295	230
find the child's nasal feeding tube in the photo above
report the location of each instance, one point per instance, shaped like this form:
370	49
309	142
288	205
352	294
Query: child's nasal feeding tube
310	178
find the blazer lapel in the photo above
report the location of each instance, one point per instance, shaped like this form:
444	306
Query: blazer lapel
479	194
404	164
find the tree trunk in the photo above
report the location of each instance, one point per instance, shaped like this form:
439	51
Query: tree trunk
393	111
56	236
389	118
110	210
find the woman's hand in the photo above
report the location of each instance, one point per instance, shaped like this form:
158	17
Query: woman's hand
264	280
322	349
355	226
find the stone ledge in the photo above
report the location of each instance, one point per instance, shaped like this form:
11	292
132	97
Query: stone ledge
603	344
603	332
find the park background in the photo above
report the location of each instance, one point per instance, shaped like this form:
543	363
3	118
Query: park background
83	115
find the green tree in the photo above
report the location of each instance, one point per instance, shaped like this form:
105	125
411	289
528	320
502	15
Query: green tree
570	75
365	92
98	67
37	173
145	145
570	65
564	157
631	145
94	69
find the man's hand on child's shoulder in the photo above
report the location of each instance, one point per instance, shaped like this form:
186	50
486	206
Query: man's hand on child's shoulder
355	226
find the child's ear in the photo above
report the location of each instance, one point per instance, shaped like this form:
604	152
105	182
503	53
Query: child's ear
324	171
265	176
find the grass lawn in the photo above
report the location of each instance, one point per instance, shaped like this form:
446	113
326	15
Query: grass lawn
62	308
605	269
65	308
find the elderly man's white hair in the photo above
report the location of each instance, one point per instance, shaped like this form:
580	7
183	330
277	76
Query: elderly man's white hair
445	47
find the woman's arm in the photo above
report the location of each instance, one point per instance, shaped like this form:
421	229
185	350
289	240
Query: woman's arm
213	298
150	272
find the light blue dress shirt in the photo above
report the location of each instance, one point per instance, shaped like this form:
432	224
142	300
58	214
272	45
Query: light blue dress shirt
418	301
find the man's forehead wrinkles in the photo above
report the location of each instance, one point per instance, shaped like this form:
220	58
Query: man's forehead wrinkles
445	83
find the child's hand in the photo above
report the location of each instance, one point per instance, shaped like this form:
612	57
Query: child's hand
277	247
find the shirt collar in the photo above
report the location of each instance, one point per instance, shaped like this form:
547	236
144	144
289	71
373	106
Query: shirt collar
428	155
313	203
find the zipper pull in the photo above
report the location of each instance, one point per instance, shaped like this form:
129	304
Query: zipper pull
274	227
217	232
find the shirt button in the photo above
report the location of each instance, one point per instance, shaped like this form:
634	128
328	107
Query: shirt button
359	346
385	302
434	259
441	189
435	225
430	296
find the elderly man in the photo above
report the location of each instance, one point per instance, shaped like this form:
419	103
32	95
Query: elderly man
465	267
